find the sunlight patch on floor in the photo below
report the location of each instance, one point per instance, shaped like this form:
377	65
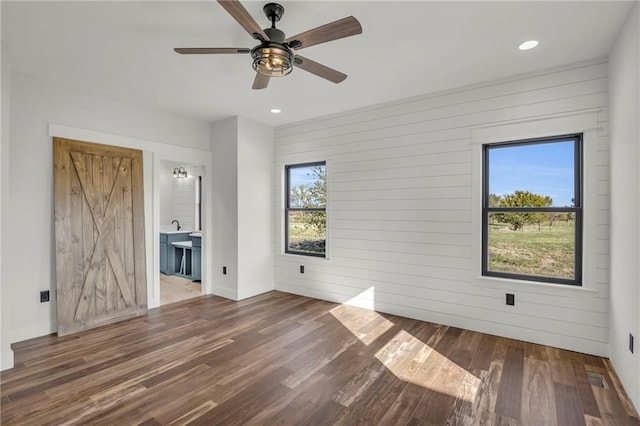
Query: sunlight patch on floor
410	359
358	316
404	355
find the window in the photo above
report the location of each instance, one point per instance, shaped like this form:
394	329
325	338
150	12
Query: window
532	210
306	209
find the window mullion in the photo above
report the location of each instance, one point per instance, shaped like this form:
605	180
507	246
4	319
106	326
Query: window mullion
306	209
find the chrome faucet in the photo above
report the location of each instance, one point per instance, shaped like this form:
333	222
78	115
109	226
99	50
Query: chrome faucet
177	224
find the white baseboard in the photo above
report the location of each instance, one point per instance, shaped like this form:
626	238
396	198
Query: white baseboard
6	359
227	293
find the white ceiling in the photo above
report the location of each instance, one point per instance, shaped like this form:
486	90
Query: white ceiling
124	50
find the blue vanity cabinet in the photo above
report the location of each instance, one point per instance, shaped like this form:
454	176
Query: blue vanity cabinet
167	258
196	258
163	253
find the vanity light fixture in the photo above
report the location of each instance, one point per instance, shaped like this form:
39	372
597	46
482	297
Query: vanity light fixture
179	173
275	110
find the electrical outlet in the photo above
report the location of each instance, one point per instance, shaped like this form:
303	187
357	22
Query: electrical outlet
44	296
511	299
224	270
630	342
302	269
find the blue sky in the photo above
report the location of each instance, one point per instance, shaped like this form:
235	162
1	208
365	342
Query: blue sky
544	169
300	176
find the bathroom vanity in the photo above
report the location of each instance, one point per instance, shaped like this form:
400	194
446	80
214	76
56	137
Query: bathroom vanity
180	254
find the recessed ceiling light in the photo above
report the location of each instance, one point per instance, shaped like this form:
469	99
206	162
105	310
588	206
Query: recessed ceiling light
276	111
527	45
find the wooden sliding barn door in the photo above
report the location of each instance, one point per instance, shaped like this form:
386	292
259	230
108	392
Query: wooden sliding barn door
99	227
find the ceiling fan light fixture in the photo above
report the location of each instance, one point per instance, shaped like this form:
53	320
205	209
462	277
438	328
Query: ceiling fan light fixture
272	59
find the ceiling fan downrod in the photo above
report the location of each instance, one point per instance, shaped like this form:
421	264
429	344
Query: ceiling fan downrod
274	12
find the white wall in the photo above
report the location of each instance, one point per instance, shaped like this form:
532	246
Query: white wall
242	166
401	183
4	166
625	203
166	192
255	220
183	199
28	262
224	137
178	196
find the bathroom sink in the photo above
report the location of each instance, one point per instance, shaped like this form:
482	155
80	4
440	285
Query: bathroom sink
183	244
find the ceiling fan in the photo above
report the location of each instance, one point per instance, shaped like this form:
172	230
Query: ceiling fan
276	56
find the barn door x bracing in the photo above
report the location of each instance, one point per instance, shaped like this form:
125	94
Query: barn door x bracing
99	227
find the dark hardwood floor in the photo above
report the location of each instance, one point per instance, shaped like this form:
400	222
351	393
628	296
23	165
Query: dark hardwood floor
284	359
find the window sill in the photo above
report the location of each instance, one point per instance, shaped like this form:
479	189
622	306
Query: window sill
300	257
533	286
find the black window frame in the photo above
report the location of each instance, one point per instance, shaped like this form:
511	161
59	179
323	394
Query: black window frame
288	208
576	209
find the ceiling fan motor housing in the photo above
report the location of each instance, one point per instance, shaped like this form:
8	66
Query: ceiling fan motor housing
275	35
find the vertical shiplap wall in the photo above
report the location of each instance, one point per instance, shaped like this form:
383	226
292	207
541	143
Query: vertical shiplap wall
183	201
183	193
400	209
178	196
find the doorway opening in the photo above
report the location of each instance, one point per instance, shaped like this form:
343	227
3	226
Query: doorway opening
181	228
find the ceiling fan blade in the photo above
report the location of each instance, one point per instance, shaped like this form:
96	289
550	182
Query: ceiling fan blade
319	69
209	50
345	27
261	81
240	14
